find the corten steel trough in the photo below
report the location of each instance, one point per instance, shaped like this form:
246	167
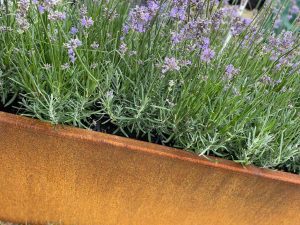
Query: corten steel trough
74	176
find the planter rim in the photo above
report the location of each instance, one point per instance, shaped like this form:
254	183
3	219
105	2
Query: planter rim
85	135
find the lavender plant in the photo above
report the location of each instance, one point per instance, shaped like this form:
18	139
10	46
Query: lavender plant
192	74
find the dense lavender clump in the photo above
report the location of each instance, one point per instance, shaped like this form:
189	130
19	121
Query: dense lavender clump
193	74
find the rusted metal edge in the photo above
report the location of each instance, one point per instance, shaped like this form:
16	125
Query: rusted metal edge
135	145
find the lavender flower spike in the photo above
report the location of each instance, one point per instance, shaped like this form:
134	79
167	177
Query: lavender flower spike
207	55
73	30
153	6
71	46
230	72
41	9
179	9
87	22
171	64
140	16
57	16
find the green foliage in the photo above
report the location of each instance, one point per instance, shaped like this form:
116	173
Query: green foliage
252	117
286	13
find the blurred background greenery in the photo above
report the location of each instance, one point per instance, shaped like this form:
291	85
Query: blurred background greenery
286	11
288	14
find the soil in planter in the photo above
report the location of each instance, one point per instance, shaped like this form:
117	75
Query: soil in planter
100	125
12	108
96	124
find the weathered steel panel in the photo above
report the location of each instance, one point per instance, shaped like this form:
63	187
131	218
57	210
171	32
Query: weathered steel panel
75	176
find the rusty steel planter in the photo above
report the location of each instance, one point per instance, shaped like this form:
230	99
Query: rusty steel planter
75	176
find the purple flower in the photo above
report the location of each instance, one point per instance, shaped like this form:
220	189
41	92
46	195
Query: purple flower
50	4
179	9
186	63
41	9
74	43
280	47
295	9
277	23
140	17
176	38
22	22
231	72
170	64
153	6
217	19
239	25
266	80
178	13
71	54
83	11
296	65
230	69
23	6
71	46
207	55
196	29
87	22
199	4
123	48
126	29
73	30
205	43
57	16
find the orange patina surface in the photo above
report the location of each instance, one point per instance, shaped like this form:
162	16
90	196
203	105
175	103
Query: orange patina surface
74	176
